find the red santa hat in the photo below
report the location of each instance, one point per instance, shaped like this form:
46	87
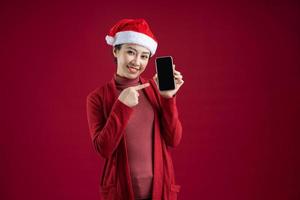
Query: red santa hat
135	31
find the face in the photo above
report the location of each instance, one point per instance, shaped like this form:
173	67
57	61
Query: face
132	60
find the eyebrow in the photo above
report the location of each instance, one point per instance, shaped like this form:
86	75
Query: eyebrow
136	50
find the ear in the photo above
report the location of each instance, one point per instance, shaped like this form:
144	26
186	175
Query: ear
115	51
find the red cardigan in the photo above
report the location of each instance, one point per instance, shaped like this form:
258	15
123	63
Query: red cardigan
107	119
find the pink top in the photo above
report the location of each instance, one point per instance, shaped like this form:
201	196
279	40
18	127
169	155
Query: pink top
139	138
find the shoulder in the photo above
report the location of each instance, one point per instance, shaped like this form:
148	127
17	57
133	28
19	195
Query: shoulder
97	93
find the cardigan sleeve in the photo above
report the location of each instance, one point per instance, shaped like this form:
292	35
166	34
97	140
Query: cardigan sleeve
106	133
171	125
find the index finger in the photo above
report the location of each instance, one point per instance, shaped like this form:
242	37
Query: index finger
142	86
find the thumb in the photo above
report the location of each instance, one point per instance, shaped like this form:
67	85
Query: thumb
155	78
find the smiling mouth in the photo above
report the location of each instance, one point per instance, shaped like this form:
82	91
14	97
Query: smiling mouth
133	69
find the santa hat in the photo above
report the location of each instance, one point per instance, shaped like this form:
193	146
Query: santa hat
135	31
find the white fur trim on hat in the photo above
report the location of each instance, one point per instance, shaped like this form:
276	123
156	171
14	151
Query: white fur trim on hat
133	37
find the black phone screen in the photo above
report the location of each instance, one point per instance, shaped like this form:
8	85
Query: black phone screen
164	69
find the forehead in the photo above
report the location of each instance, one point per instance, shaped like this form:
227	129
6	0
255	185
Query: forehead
137	47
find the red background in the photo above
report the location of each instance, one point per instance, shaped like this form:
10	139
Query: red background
239	105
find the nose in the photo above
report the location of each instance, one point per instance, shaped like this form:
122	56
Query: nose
136	61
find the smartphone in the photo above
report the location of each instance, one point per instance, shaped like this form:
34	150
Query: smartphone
164	70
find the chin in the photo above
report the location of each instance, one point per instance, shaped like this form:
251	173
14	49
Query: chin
132	76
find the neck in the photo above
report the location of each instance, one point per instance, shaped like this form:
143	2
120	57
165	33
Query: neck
123	82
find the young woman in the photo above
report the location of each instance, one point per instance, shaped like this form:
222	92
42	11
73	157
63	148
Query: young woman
132	123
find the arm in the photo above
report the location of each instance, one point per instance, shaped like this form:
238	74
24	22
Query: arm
106	133
171	125
172	129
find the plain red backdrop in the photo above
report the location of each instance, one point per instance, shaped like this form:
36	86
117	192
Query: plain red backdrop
239	105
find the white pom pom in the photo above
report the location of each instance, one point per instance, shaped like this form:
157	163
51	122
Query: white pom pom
109	40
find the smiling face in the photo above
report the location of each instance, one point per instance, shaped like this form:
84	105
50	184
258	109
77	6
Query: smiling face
132	60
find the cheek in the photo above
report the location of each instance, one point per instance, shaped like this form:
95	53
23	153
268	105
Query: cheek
144	66
128	58
124	60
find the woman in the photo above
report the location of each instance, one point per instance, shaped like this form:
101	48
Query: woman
132	123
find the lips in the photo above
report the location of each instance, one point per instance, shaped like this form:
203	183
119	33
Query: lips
133	69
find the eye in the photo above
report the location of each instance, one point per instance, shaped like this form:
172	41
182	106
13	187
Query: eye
130	52
145	57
